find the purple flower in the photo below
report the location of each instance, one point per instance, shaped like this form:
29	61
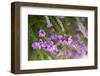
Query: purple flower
62	41
70	38
50	47
77	36
42	33
44	44
56	52
60	17
52	37
36	45
59	36
69	41
68	54
83	52
49	25
78	28
79	53
76	54
79	44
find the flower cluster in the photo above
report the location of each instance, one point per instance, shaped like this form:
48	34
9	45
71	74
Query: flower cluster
53	42
60	44
51	45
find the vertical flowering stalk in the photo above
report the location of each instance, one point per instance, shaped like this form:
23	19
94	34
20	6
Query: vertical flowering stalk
48	22
82	28
60	23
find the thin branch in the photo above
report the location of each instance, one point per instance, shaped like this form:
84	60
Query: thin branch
83	28
47	19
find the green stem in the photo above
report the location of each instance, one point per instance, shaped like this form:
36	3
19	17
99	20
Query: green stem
60	23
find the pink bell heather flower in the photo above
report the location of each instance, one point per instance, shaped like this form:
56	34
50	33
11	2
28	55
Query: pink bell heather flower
42	33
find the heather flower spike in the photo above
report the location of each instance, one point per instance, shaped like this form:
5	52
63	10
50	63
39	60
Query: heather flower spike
49	25
60	23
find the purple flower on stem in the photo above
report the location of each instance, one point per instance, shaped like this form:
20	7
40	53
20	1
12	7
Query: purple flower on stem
79	53
62	41
59	36
49	25
44	44
56	52
78	28
70	38
50	47
77	36
42	33
36	45
52	37
61	17
66	42
79	44
69	41
76	54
